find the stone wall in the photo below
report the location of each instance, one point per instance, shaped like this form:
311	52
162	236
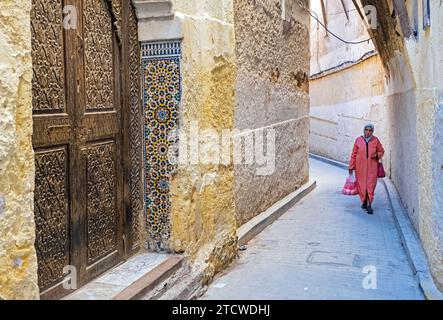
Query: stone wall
203	221
271	95
18	262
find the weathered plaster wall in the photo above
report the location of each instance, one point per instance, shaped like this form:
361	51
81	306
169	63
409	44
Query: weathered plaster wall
18	262
416	164
404	155
338	116
220	10
426	60
271	93
435	219
414	95
203	213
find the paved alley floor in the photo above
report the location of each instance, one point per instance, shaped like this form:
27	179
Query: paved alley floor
325	247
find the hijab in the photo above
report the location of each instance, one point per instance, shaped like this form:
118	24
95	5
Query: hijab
370	126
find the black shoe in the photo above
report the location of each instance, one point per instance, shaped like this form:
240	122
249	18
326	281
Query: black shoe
369	209
364	205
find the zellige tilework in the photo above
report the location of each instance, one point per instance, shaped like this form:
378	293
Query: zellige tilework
161	98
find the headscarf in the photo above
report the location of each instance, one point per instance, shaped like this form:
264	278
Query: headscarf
371	126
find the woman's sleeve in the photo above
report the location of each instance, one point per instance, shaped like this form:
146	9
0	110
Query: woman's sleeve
353	156
380	150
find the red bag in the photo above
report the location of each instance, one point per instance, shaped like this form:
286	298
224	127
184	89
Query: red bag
350	188
381	171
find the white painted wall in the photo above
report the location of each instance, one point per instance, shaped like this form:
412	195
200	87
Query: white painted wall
345	92
326	50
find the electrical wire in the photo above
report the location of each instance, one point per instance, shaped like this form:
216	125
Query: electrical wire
315	16
337	13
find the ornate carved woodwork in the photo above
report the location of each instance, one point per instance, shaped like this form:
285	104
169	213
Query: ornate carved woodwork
51	215
48	56
80	101
116	9
101	200
135	129
99	69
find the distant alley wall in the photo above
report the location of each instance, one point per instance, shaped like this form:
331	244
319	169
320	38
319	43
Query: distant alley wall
347	85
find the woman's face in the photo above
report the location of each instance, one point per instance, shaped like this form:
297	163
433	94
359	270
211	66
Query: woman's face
368	132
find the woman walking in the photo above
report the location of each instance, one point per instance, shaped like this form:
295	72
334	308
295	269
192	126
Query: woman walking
366	154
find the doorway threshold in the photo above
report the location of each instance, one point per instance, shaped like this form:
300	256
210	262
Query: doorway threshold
133	272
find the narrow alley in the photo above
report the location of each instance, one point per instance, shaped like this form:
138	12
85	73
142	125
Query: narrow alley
319	250
198	149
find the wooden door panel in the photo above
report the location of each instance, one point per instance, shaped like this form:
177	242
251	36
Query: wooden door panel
98	56
101	201
52	138
48	55
52	130
101	153
52	216
101	125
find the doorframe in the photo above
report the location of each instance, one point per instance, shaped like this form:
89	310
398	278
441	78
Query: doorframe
132	131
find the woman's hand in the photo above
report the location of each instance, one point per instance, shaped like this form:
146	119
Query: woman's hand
375	155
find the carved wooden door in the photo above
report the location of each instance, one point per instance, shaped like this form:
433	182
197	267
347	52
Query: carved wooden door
100	180
78	94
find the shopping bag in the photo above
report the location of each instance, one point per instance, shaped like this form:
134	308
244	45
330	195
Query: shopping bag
350	188
381	171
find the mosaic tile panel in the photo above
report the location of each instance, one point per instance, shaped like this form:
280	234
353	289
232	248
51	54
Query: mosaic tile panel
161	98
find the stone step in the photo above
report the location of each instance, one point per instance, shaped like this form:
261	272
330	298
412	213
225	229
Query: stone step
137	274
151	279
